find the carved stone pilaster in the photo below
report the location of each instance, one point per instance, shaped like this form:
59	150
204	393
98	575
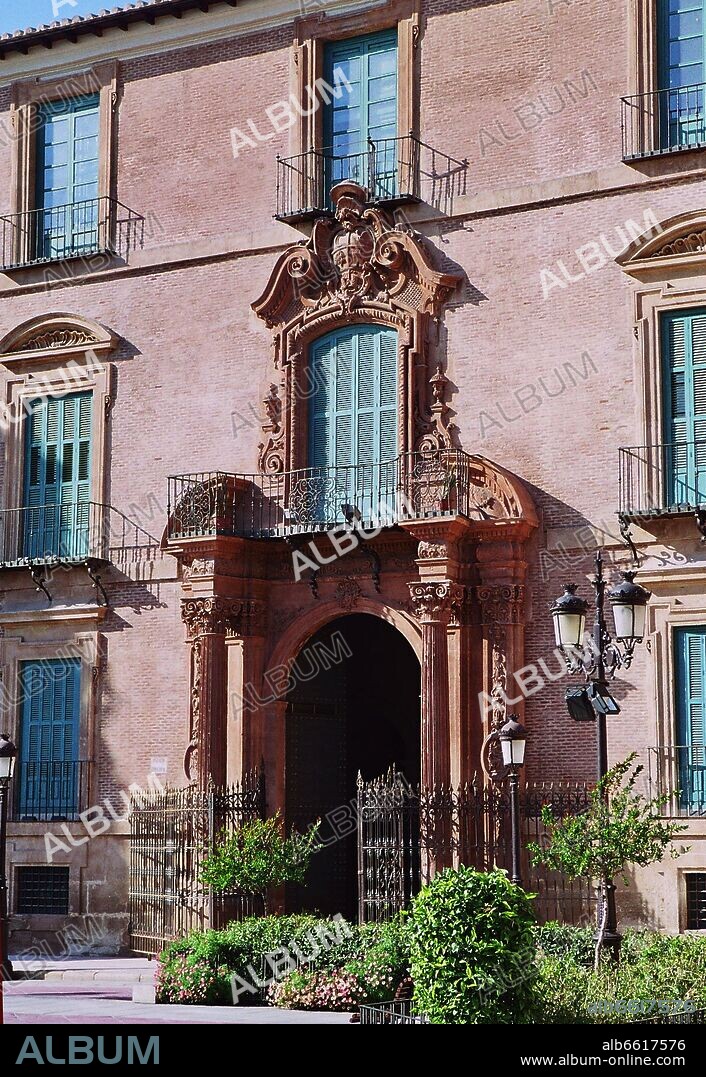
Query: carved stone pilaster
500	608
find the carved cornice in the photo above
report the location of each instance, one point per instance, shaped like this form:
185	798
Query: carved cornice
436	601
501	604
222	616
55	334
679	243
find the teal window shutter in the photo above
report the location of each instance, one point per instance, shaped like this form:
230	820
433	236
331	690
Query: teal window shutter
690	647
57	492
49	738
67	178
360	125
682	71
684	394
353	419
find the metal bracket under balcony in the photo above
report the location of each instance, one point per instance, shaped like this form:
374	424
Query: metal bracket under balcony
394	171
663	121
46	539
662	481
414	486
87	229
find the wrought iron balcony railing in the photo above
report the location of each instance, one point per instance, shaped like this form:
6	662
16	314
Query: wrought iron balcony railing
413	486
679	773
49	791
663	121
76	230
657	480
393	170
46	534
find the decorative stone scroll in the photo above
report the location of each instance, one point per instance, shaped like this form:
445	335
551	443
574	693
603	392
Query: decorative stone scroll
358	267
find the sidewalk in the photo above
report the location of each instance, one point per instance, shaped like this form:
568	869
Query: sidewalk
98	991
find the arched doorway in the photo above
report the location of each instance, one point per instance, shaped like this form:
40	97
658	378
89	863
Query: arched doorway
355	707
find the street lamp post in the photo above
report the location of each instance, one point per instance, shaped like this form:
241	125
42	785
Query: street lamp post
8	754
606	655
513	738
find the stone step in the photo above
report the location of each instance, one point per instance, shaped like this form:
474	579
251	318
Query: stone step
112	976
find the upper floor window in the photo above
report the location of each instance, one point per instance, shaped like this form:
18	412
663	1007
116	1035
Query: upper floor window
353	419
66	218
681	73
684	395
360	125
57	478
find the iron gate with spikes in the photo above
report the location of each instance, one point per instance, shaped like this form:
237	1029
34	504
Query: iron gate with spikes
401	828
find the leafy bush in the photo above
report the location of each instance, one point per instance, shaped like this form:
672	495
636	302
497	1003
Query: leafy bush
473	953
239	949
653	969
563	940
192	981
258	855
338	990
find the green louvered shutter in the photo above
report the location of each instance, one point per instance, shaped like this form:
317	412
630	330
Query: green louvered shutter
682	72
49	738
353	419
690	646
684	364
58	477
360	125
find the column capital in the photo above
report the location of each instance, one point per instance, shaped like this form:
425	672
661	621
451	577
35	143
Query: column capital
204	616
437	601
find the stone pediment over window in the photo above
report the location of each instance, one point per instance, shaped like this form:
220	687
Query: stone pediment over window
679	247
359	267
55	335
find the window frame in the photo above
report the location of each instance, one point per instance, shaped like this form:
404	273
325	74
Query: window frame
311	37
27	96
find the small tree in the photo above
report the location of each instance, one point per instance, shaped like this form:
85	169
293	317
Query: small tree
620	829
258	855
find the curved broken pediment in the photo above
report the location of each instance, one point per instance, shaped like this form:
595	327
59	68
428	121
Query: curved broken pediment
55	334
679	243
359	257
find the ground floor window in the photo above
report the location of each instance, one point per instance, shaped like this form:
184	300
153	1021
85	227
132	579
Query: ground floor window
695	882
42	890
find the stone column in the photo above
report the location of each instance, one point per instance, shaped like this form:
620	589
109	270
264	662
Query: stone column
433	604
501	620
246	708
207	620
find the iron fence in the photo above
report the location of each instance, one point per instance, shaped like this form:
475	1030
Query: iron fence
391	1013
663	121
394	170
404	832
412	486
50	790
678	772
662	479
171	833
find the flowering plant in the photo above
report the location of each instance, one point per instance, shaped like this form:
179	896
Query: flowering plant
339	990
191	983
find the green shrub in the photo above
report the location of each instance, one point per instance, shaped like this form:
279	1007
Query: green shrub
653	969
239	948
472	949
189	980
258	855
563	940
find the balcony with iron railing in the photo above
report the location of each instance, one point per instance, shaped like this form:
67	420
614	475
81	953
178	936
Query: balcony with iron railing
394	171
413	486
678	773
76	230
662	480
663	121
50	790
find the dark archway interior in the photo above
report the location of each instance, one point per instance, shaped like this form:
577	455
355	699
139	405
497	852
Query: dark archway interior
354	707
